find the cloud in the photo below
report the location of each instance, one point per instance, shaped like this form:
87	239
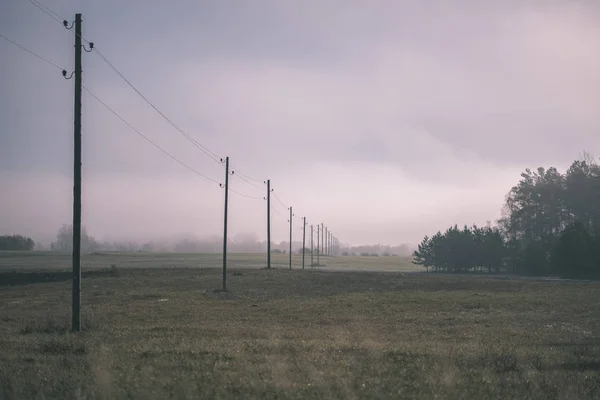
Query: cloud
386	119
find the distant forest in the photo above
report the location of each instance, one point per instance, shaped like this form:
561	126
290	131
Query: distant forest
550	226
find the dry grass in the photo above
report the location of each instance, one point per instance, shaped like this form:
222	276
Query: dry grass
166	333
32	261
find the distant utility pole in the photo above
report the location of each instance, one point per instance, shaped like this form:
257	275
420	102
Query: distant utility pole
303	239
291	216
322	236
318	249
325	242
225	224
76	256
333	246
268	223
312	263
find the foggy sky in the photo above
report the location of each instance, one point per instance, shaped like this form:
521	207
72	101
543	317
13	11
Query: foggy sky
386	120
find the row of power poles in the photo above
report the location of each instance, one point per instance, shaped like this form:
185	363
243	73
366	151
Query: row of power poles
326	245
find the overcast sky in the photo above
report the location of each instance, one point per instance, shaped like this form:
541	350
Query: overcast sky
386	120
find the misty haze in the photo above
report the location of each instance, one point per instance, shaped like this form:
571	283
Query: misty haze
299	199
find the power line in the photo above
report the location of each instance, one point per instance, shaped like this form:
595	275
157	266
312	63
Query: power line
149	140
278	213
241	176
278	199
58	18
211	154
214	156
245	195
31	52
251	178
47	11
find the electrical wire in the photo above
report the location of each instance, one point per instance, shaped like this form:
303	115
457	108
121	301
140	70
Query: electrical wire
47	11
278	213
112	111
61	20
241	176
211	154
31	52
245	195
148	139
278	199
251	178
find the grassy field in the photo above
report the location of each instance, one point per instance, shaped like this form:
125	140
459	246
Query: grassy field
158	333
21	261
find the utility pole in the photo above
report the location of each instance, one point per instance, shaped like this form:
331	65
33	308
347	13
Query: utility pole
322	236
326	252
291	216
333	246
312	263
268	223
303	239
225	224
318	243
76	294
76	255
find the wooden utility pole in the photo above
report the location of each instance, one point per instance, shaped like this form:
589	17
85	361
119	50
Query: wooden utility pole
76	261
268	223
312	263
322	236
325	244
291	216
318	243
335	247
225	224
303	239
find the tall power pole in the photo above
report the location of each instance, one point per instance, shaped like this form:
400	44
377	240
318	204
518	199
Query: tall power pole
225	224
291	216
76	260
268	223
303	239
322	236
318	243
335	247
312	261
325	242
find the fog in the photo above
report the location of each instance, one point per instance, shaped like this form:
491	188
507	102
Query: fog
384	120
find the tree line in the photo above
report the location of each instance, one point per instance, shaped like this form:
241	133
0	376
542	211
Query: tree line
550	226
16	243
